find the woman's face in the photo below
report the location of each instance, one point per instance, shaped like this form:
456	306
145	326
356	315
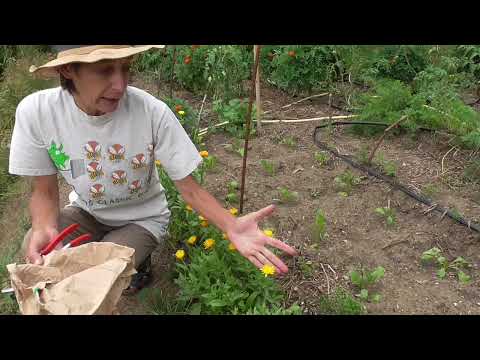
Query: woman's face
99	86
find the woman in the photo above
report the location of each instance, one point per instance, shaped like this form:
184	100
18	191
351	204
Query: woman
104	136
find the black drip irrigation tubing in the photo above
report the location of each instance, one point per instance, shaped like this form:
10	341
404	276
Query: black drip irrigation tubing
391	181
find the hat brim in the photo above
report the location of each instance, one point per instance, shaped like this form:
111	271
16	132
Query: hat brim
50	69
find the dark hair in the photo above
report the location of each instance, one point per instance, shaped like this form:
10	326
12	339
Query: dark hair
67	84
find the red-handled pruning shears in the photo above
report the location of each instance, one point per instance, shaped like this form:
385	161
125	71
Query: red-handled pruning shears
53	244
67	231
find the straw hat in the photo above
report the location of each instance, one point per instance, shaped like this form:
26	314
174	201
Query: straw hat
67	54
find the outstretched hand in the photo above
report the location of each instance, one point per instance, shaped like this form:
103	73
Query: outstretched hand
252	243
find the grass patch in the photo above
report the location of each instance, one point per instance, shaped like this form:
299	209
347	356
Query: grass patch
340	303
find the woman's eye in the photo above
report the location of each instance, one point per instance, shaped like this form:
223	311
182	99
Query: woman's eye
106	71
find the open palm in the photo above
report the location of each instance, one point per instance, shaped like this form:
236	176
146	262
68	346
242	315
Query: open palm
251	242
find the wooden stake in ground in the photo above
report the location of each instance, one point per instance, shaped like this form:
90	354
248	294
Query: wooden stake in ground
247	126
395	124
257	91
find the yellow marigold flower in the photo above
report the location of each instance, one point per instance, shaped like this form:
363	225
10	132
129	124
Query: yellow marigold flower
268	270
201	218
204	153
225	236
233	211
192	240
208	244
268	232
231	247
180	255
158	163
189	208
204	223
181	113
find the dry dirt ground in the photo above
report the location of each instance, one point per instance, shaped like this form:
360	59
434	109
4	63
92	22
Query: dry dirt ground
357	237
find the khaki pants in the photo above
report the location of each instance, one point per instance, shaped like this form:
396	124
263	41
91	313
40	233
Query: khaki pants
130	235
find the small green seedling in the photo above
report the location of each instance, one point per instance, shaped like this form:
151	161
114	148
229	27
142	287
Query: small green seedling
322	158
241	152
340	303
233	186
430	190
435	255
388	213
232	198
269	167
210	162
345	182
363	155
319	226
364	279
287	196
388	167
289	141
306	266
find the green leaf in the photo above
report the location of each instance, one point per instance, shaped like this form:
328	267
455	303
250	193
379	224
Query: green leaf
463	278
343	193
251	299
380	211
441	273
356	278
377	298
196	309
431	254
442	260
376	274
459	262
390	220
364	294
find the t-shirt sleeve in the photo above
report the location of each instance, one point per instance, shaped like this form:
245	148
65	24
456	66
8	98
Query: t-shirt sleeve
28	152
173	147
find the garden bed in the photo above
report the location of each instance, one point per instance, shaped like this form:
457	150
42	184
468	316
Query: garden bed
356	236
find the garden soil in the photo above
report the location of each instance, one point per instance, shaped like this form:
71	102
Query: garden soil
356	236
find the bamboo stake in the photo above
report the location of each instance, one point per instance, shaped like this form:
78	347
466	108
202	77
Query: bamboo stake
257	92
395	124
247	128
205	130
307	120
297	102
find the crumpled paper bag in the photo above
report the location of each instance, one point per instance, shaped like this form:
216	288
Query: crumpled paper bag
84	280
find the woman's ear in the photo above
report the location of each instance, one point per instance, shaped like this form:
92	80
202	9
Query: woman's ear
66	71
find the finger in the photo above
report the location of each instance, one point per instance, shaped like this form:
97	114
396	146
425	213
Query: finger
265	261
35	258
275	260
263	213
281	246
255	262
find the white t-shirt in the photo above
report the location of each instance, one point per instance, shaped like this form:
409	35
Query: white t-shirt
109	160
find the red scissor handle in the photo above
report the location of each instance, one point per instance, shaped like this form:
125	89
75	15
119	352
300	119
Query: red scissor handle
67	231
80	240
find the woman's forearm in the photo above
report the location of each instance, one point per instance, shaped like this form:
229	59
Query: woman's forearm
205	204
44	202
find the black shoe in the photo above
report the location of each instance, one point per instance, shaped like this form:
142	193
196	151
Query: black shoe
141	279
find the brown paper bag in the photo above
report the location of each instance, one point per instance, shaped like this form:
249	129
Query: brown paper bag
84	280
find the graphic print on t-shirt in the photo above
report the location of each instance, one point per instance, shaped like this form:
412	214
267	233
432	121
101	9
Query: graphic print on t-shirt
93	150
139	161
119	177
135	186
115	176
97	191
58	156
94	169
116	152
